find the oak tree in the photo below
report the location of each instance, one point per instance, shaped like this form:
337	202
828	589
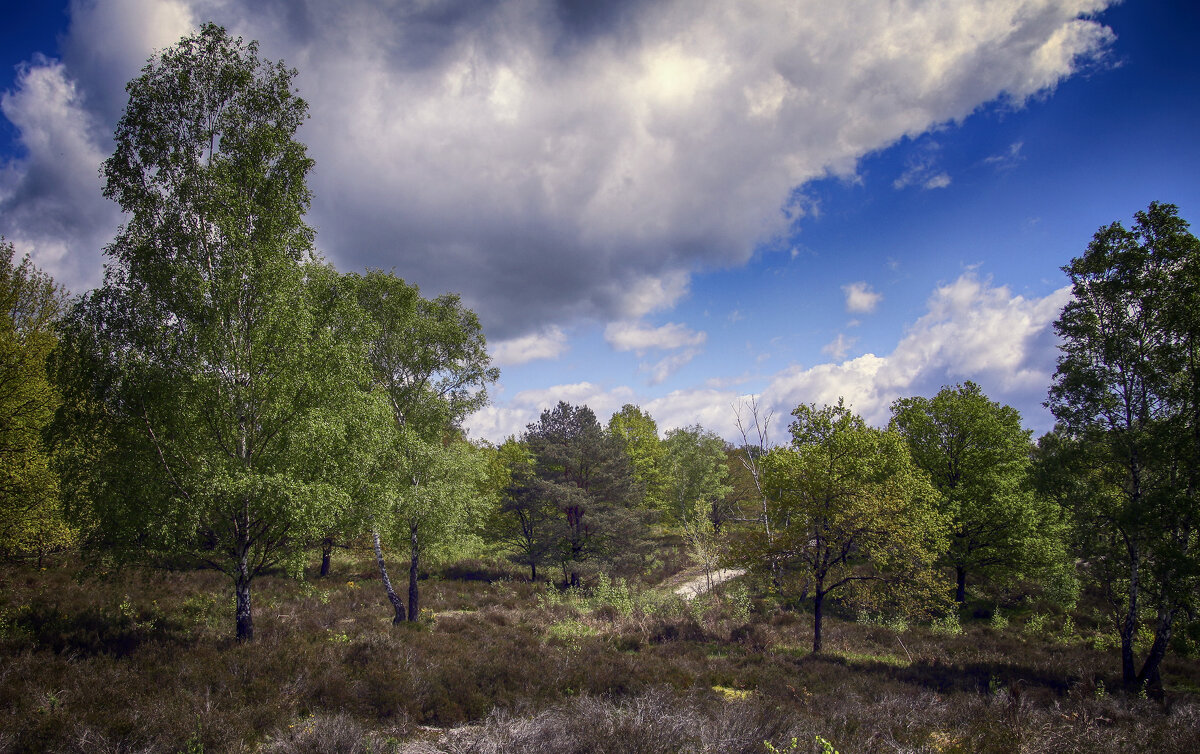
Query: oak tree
638	434
857	509
978	456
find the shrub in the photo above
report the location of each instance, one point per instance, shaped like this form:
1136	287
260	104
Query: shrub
614	594
737	602
1037	623
947	625
322	733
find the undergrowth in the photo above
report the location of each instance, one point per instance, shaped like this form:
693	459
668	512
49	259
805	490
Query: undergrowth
144	662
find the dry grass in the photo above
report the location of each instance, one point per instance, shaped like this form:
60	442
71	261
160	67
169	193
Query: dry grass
144	663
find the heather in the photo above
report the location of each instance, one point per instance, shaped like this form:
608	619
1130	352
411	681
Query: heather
144	661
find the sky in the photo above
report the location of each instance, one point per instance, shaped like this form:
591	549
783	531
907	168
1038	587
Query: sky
674	204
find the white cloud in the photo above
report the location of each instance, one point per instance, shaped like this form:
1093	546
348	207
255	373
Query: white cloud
109	41
839	347
497	422
711	408
634	336
861	297
653	293
550	162
971	331
548	344
669	365
1007	159
941	180
921	169
50	202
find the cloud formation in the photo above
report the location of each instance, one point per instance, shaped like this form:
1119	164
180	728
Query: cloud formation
547	344
634	336
496	422
971	330
662	369
839	347
549	160
861	298
50	202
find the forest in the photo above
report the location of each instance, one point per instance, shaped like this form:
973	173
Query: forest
238	510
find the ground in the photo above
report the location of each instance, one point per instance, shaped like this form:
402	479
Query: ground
145	662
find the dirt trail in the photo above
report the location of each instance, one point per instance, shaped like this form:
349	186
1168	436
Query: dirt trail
699	585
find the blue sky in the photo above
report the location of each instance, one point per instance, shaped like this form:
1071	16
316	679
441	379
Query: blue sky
676	204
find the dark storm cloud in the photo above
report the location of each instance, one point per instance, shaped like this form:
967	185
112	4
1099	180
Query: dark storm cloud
558	160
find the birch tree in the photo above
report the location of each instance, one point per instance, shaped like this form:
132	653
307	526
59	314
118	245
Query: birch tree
211	378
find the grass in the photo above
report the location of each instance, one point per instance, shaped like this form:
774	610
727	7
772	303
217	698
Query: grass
144	662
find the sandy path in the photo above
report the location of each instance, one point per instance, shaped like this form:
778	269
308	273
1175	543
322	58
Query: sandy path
699	585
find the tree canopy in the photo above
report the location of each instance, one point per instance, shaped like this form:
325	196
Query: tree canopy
1127	398
30	514
588	477
211	373
857	509
977	455
429	359
695	474
638	433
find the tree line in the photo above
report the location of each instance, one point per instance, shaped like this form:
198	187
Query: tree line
228	400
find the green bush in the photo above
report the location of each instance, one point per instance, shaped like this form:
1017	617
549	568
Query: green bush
947	625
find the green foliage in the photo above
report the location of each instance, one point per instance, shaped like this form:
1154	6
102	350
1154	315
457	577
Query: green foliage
978	456
694	475
638	434
1037	624
859	511
615	594
1125	456
523	522
31	520
737	602
570	632
215	378
895	621
444	499
429	356
947	625
428	359
826	746
585	474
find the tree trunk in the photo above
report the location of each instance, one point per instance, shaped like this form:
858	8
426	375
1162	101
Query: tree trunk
326	555
413	612
533	571
1129	624
1149	678
245	618
960	593
818	603
397	604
